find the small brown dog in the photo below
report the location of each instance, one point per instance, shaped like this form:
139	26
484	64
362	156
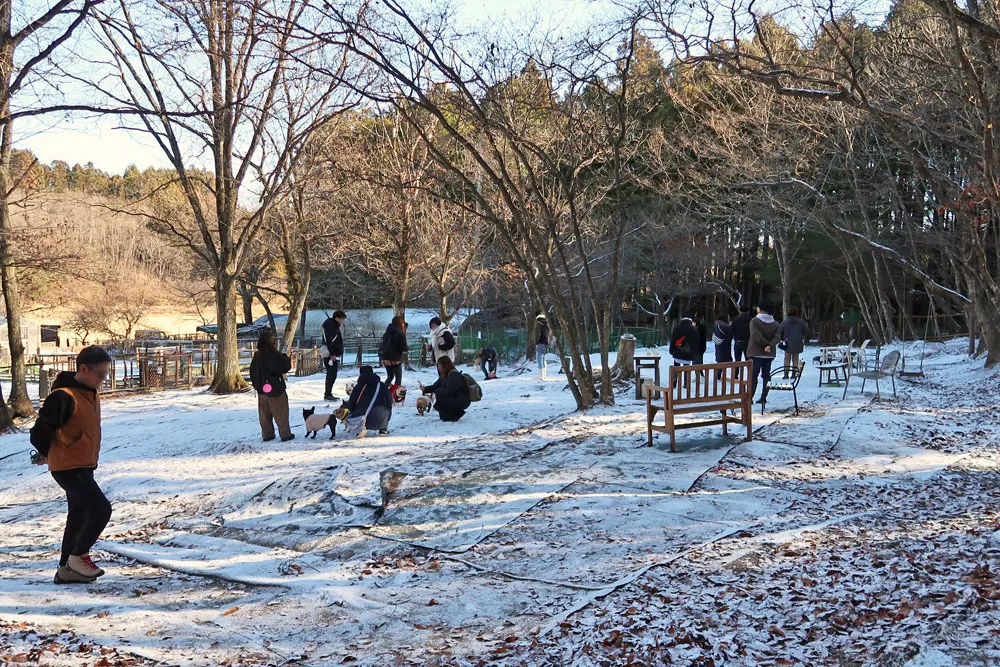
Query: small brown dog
424	404
341	413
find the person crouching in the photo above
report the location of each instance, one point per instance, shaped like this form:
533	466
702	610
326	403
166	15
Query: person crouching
451	391
68	436
370	388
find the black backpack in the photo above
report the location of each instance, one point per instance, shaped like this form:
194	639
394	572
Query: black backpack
447	340
384	349
260	377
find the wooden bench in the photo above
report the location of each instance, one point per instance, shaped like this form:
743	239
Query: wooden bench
699	389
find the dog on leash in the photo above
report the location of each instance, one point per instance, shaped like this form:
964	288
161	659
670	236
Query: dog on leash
398	393
349	387
424	404
317	422
342	413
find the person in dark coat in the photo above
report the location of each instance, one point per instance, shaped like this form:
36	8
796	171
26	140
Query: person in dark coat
699	323
722	338
741	333
488	358
794	333
267	375
394	347
763	346
369	388
685	342
451	391
67	436
333	340
542	345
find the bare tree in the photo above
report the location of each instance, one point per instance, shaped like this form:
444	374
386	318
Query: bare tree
926	78
536	144
211	87
24	51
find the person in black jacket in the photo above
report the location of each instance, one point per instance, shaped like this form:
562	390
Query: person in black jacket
393	348
488	358
333	340
685	343
741	333
699	323
722	338
451	391
370	388
267	375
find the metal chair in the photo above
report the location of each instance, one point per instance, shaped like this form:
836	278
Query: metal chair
861	357
886	370
790	384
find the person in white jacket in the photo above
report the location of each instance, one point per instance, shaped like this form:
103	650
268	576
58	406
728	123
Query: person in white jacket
442	340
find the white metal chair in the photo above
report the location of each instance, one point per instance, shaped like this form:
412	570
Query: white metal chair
887	369
861	357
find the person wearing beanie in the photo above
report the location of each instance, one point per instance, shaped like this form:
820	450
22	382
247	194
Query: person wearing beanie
333	342
67	434
741	333
762	346
369	388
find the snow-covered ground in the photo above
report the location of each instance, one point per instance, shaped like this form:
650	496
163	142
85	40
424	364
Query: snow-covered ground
528	534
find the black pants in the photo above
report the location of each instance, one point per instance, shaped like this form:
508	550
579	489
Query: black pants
449	413
740	350
331	375
89	511
762	368
489	367
394	374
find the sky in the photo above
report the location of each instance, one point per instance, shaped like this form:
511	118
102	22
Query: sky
112	149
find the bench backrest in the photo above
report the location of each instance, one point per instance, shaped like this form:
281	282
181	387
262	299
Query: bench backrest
708	383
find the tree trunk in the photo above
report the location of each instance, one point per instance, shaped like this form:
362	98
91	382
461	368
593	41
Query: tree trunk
604	342
296	308
784	256
20	404
228	378
246	298
624	368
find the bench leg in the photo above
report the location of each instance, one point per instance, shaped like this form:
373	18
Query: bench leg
649	430
725	426
795	397
846	385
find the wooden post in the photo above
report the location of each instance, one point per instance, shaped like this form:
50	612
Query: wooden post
43	381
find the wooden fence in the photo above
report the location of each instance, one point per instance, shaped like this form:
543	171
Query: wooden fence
129	373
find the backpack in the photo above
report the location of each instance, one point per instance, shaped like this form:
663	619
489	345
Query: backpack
447	340
384	348
475	391
264	383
